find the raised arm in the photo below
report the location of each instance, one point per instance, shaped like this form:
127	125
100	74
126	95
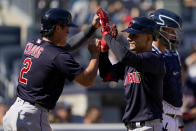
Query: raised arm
88	76
79	39
109	72
145	62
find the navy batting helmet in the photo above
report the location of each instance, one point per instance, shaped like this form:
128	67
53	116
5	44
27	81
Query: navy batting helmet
142	25
170	32
55	17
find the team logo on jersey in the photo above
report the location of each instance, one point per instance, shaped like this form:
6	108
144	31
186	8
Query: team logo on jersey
175	73
133	77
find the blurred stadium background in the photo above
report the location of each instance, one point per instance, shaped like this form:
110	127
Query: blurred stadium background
79	108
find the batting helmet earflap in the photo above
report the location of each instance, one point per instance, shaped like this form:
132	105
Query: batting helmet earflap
55	17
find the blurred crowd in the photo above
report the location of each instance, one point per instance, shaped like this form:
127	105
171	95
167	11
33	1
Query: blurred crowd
121	13
63	114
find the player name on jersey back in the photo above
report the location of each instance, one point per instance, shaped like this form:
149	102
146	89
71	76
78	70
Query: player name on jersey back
33	50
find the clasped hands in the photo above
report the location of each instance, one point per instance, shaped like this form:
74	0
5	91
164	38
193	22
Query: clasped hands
106	29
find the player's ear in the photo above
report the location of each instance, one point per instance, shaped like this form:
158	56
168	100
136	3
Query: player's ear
58	28
149	38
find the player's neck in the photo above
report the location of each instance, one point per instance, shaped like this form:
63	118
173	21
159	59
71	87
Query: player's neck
146	49
160	46
56	42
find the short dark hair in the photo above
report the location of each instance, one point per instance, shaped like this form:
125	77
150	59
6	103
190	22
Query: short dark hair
50	32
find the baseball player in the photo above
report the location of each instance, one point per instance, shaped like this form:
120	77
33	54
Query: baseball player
142	73
44	68
166	45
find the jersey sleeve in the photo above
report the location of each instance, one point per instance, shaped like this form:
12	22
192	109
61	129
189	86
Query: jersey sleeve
109	72
144	62
67	65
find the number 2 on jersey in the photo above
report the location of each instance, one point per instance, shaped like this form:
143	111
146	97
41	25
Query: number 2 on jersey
27	63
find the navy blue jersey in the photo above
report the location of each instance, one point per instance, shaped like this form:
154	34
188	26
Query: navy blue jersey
44	69
172	85
143	78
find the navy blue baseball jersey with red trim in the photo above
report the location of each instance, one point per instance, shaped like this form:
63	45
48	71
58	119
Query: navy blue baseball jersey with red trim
44	68
143	80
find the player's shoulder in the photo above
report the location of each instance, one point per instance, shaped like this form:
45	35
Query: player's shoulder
57	51
50	49
33	40
151	54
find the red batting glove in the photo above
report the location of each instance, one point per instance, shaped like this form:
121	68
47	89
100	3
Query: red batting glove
113	30
104	46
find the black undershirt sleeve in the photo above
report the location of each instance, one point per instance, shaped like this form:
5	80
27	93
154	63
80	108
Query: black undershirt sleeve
118	48
121	52
79	39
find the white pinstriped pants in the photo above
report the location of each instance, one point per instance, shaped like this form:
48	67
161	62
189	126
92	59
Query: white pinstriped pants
172	123
23	116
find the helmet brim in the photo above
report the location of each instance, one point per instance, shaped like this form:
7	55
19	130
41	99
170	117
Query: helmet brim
133	31
71	25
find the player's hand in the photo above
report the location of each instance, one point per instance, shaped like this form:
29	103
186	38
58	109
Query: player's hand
94	48
113	30
186	115
96	21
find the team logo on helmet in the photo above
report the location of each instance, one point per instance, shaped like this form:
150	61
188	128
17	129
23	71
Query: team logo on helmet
162	21
129	26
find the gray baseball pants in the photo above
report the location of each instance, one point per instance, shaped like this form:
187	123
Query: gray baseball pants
153	125
23	116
